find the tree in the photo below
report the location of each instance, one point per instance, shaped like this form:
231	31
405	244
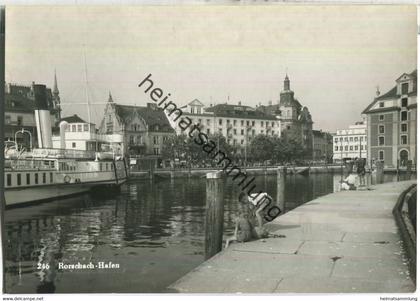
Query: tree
175	148
261	148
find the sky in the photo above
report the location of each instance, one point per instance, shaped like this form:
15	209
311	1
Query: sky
335	56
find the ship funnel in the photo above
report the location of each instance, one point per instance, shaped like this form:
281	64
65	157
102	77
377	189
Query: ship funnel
63	127
42	117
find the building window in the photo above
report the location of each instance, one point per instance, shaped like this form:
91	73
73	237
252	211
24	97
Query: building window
7	119
36	178
404	127
131	139
44	177
139	139
242	141
208	122
253	123
356	139
19	179
381	104
155	140
381	155
356	148
242	123
242	132
381	117
403	139
73	128
51	177
404	88
28	179
73	144
381	140
351	147
404	115
85	128
381	129
220	121
404	102
336	148
247	123
351	139
341	148
336	140
346	148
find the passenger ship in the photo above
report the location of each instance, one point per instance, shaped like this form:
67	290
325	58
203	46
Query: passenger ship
46	173
33	179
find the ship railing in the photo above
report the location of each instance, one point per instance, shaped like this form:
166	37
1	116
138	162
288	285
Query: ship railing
28	164
63	153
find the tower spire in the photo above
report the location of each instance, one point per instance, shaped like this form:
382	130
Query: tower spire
286	86
55	90
110	97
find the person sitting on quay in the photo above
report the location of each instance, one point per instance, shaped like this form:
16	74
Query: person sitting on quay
349	183
250	221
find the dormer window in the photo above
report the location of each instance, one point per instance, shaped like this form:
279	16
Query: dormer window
381	104
404	88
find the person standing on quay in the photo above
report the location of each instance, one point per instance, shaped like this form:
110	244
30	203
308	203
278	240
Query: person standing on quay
361	171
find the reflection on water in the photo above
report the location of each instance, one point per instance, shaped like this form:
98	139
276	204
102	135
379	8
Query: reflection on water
154	232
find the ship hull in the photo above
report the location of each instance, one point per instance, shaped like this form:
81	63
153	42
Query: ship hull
18	197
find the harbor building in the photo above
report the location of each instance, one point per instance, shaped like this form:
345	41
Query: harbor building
144	130
350	143
19	109
323	146
81	135
392	123
296	120
238	123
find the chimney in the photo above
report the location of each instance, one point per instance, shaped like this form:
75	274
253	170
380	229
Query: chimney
42	116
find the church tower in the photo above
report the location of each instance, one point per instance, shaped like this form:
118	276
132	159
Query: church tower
56	98
286	86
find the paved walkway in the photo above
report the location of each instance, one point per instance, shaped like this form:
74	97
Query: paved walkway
343	242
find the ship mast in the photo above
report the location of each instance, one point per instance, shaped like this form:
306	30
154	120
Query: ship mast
86	86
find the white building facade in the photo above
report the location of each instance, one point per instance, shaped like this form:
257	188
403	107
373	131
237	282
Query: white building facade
350	143
238	123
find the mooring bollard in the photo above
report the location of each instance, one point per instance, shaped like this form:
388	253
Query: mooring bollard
379	172
214	214
281	183
409	168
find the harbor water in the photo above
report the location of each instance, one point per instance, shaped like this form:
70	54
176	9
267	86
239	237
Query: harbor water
146	237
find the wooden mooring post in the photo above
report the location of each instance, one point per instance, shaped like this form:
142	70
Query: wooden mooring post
281	183
214	214
409	168
379	172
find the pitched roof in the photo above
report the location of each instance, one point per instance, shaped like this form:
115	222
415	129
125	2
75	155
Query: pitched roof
392	93
73	119
19	103
153	116
238	111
